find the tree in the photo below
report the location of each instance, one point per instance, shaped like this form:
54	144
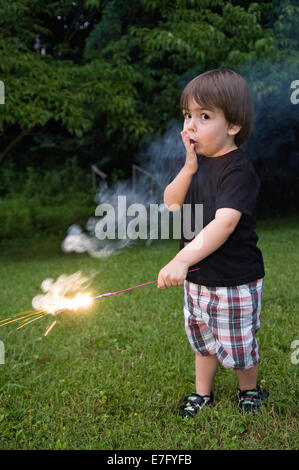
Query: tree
113	71
44	88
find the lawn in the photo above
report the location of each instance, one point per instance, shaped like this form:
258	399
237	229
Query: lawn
113	377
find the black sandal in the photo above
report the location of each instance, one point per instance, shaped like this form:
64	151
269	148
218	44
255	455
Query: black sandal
195	402
250	400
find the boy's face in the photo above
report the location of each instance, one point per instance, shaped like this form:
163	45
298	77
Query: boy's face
213	135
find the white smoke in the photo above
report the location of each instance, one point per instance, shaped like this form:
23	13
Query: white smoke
163	159
79	242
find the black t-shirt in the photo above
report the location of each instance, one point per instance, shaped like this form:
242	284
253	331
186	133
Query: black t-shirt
226	181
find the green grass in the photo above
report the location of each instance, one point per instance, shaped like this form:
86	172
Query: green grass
113	378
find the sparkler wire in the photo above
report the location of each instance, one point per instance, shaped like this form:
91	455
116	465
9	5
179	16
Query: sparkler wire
134	287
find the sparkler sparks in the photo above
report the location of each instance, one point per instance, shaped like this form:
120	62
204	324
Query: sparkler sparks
79	301
55	302
50	328
59	296
29	317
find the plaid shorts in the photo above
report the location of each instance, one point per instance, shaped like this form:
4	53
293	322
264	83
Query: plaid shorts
224	321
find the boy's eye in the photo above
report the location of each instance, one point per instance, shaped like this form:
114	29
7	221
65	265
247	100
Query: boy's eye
188	116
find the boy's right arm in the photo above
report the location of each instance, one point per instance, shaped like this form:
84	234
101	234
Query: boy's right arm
176	191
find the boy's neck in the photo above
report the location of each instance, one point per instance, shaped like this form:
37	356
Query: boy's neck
222	152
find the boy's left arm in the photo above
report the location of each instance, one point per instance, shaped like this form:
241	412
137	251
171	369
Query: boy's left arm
206	242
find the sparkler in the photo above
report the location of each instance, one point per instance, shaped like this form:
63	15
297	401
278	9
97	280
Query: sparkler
79	301
134	287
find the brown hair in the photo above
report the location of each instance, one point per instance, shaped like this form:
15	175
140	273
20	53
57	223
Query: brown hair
227	90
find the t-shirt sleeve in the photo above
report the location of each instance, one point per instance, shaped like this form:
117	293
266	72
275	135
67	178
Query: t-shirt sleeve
238	188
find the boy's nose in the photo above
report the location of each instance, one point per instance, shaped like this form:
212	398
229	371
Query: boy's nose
191	125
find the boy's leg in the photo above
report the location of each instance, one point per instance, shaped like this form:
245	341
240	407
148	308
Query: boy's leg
249	393
205	370
247	378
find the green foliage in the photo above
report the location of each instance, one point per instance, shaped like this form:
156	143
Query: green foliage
92	3
45	202
113	71
40	88
57	183
116	17
24	218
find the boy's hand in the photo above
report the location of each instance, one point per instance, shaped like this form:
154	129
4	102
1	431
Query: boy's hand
173	274
191	163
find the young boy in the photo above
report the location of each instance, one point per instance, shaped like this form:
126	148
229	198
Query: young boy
222	300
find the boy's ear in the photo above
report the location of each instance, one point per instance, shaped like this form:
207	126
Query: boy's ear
233	129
